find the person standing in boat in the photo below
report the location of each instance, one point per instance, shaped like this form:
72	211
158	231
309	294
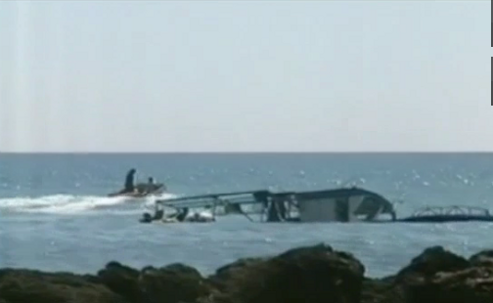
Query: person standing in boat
129	181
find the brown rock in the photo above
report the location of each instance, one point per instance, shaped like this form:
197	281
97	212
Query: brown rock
314	274
122	280
431	261
483	258
468	285
224	274
172	284
309	274
21	286
381	291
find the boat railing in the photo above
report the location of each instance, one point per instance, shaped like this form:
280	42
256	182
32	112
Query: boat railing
451	210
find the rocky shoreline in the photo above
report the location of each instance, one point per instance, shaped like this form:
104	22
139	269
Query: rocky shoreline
312	274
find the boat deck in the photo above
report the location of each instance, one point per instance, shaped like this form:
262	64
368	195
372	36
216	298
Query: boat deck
220	199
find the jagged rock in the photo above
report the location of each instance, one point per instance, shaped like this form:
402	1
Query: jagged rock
483	258
468	285
171	284
312	274
122	280
431	261
309	274
224	274
381	291
21	286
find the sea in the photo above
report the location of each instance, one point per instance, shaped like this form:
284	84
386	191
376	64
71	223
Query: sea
55	216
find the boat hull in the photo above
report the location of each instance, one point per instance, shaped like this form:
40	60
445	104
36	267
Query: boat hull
142	191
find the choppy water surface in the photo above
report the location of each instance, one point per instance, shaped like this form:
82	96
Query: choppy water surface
54	216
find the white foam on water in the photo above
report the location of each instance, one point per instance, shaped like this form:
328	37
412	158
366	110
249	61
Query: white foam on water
72	204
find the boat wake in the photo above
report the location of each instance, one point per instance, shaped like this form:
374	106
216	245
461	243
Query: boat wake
73	204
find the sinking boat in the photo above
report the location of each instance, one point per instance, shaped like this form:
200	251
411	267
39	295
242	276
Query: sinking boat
141	190
333	205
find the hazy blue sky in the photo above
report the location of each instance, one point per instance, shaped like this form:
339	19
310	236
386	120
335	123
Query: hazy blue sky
245	76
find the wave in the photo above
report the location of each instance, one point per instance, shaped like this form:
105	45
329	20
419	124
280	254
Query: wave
75	204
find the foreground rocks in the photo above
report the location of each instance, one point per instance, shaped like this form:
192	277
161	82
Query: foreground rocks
312	274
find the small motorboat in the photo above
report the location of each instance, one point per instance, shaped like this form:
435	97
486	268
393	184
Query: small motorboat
141	190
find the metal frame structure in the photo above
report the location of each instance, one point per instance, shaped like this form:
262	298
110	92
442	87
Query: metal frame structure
275	207
451	210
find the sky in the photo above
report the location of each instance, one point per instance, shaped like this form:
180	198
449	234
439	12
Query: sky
233	76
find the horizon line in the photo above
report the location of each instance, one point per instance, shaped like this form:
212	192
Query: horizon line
238	152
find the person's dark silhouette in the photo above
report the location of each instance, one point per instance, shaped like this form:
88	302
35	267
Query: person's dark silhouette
182	214
129	181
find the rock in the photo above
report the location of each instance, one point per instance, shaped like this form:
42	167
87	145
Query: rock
312	274
437	275
309	274
20	286
483	258
122	280
224	274
468	285
431	261
381	291
172	284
